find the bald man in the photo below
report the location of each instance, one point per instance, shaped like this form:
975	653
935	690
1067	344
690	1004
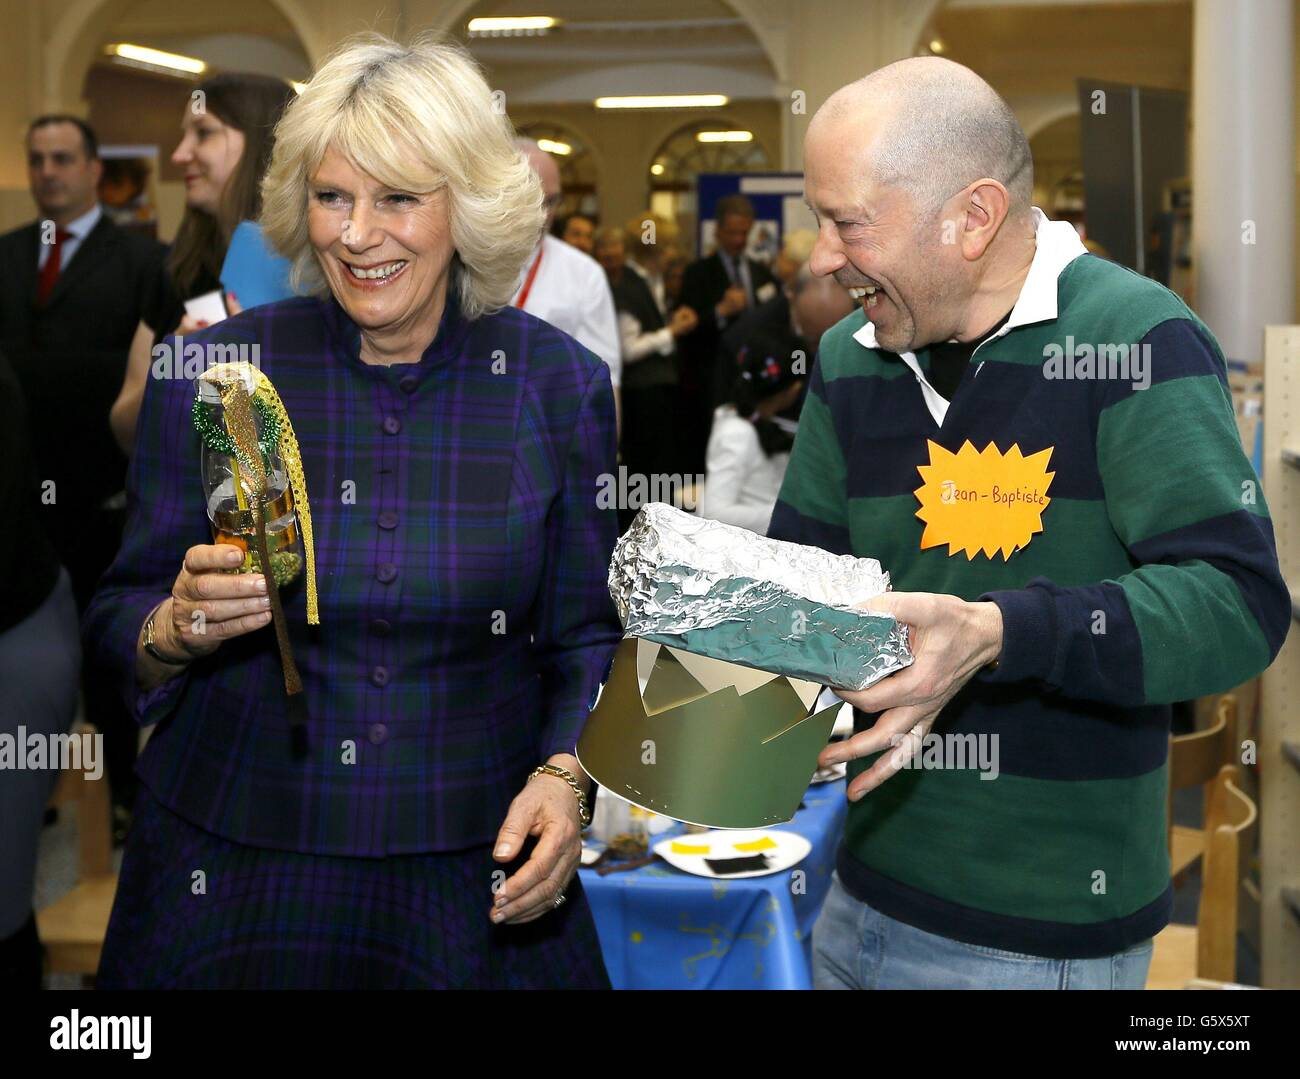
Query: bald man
816	304
1038	445
564	286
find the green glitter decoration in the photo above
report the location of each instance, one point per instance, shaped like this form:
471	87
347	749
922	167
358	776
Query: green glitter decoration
285	566
214	435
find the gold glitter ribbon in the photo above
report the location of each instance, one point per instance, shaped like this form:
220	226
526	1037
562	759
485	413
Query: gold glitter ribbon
235	377
242	428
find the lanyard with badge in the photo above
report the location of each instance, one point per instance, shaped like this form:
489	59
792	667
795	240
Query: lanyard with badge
528	281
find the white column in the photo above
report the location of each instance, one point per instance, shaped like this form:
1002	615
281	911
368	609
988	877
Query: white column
1243	170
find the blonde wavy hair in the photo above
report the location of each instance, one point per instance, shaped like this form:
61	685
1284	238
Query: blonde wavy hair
417	118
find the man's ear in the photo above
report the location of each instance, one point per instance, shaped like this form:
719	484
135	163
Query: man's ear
983	207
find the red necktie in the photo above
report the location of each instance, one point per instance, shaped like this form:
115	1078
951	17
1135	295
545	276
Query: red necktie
50	271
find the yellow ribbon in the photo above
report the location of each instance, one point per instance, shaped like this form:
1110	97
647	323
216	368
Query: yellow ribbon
225	376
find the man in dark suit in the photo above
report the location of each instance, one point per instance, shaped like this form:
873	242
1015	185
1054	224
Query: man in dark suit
774	316
72	287
719	289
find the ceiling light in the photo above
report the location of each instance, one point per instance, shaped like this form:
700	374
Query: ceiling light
553	147
724	136
513	26
664	101
156	60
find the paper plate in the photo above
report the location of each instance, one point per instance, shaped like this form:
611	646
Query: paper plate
591	855
784	850
829	775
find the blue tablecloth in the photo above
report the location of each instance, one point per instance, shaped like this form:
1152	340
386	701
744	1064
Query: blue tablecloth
661	928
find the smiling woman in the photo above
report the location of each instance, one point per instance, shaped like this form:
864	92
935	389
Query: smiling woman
431	835
410	122
385	255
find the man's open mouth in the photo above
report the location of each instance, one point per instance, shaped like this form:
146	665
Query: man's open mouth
869	291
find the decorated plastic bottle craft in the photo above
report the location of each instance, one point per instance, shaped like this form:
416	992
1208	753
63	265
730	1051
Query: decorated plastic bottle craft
265	471
256	497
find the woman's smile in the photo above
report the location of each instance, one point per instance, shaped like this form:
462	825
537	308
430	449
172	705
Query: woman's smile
374	275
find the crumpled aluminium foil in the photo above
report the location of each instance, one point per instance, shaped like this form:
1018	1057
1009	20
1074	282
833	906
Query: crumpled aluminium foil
727	593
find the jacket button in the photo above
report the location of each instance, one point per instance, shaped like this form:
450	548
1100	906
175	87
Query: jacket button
378	734
407	383
381	627
388	520
379	676
392	424
387	572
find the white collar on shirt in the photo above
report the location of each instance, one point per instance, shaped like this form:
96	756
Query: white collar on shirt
80	227
1057	245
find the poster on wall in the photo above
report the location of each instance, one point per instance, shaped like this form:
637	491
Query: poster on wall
778	208
128	187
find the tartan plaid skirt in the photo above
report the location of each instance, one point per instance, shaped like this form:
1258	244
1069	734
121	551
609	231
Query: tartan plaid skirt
269	919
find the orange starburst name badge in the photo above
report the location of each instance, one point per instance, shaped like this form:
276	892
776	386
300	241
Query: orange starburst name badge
983	501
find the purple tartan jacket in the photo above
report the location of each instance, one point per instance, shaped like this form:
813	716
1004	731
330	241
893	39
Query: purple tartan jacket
465	625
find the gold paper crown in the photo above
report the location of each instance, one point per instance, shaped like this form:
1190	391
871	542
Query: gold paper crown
232	378
704	741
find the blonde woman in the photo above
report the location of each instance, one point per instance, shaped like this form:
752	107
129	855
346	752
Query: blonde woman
451	446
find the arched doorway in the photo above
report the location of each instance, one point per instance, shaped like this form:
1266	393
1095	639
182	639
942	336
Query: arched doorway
602	51
136	112
579	171
700	146
77	36
1058	169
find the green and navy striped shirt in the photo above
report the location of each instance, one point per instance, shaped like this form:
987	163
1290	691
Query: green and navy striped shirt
1154	579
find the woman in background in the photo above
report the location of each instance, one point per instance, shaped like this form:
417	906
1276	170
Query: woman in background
227	135
648	342
749	446
40	656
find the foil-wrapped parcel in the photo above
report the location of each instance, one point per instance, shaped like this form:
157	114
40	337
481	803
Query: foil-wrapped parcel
727	593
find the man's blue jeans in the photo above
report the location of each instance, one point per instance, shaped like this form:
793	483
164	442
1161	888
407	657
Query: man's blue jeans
857	947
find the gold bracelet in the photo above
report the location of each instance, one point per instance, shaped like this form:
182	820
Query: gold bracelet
584	813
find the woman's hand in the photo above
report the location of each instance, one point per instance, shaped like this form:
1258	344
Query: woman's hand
190	324
547	808
209	604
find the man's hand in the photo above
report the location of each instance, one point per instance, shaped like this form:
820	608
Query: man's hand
733	302
683	321
950	640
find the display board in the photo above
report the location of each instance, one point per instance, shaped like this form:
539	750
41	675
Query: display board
778	208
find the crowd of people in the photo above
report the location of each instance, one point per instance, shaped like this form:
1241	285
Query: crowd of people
709	358
406	809
707	361
84	301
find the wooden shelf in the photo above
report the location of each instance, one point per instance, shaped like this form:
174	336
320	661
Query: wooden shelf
1291	898
1279	716
1291	751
